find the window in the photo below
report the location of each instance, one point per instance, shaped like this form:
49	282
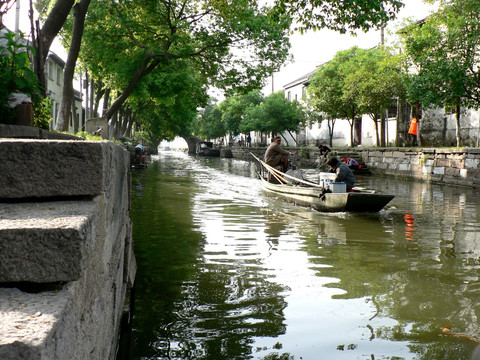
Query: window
289	96
392	110
51	69
59	76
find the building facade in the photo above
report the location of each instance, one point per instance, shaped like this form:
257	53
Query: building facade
54	75
437	127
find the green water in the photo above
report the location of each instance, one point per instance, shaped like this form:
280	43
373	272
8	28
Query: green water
227	272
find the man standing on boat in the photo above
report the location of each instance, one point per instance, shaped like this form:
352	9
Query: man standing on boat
275	155
344	174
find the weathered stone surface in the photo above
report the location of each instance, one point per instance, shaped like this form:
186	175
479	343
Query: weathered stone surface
48	168
31	132
90	240
45	242
27	321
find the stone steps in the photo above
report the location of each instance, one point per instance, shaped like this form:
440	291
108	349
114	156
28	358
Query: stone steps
66	252
46	242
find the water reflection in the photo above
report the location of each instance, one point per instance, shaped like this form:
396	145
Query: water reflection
226	272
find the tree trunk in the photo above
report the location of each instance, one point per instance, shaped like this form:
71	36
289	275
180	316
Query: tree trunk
44	37
331	126
374	117
98	97
92	98
294	139
68	98
106	100
128	130
457	130
382	130
145	68
352	125
74	117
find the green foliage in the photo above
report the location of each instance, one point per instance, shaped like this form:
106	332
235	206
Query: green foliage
357	82
42	113
305	152
277	356
16	75
281	115
338	15
235	109
126	41
89	137
209	122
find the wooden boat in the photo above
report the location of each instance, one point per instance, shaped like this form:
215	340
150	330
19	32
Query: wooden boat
306	193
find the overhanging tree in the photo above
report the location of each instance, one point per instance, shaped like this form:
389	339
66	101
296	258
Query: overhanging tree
339	15
128	40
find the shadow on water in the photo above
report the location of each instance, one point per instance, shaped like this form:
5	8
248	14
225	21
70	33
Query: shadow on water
226	272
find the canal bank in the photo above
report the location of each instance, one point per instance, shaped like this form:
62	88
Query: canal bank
66	250
437	165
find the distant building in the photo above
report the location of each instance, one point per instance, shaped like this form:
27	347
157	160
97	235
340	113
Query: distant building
364	130
54	67
54	75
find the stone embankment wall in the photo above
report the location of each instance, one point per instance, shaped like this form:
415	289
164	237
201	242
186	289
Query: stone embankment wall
66	249
450	166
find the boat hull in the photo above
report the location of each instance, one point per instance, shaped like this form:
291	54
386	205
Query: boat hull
329	202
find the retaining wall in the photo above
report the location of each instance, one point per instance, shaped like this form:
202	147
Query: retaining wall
66	249
449	166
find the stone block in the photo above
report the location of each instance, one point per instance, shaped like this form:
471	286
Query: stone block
442	162
49	168
472	163
403	167
452	172
45	242
458	164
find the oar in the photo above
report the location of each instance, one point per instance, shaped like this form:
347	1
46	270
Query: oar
272	170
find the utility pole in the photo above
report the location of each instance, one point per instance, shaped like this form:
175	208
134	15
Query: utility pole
384	116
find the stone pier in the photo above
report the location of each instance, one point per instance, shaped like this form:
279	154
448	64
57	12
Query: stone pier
66	249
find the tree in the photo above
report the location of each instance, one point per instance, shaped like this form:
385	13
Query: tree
282	115
325	91
339	15
446	52
235	108
334	91
209	122
378	78
129	40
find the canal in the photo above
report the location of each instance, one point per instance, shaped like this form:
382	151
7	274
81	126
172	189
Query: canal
227	272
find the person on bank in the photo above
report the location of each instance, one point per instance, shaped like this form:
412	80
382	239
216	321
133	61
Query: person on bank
344	174
276	155
324	150
413	131
351	163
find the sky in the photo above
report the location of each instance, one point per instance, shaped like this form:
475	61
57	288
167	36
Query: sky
309	50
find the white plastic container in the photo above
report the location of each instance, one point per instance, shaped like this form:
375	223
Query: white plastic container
325	178
338	187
